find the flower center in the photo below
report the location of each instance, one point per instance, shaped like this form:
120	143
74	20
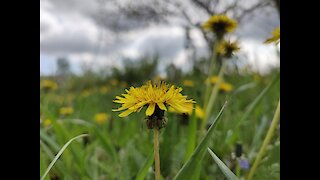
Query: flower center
157	119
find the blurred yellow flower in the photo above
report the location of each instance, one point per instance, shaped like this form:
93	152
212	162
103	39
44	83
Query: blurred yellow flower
158	78
101	118
66	111
198	110
86	93
226	87
227	48
47	123
156	97
212	79
104	89
48	85
220	24
188	83
275	36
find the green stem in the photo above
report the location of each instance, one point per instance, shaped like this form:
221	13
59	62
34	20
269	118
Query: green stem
266	141
210	72
212	97
156	153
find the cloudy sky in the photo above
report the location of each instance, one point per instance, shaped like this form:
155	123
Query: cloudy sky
84	32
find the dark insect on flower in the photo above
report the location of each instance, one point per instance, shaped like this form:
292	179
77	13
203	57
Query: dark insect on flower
238	150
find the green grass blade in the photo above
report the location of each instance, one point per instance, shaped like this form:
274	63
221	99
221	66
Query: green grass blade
187	171
60	166
225	170
144	170
46	138
59	154
192	136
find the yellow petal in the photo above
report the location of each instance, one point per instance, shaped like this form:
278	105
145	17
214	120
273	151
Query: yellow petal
125	113
150	109
162	106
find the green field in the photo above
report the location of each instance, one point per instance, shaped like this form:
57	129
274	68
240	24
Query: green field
122	148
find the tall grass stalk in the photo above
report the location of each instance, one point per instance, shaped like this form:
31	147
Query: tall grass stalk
213	62
213	97
266	141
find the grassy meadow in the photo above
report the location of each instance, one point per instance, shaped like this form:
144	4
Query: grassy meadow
122	148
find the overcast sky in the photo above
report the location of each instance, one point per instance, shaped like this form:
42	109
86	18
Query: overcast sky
73	29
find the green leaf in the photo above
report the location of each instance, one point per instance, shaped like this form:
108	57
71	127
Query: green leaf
225	170
49	140
144	170
188	169
60	166
192	134
59	154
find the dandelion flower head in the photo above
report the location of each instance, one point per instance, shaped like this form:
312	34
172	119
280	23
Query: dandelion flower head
155	96
275	37
227	48
220	24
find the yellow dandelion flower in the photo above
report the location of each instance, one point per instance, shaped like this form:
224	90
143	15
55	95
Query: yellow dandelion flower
220	24
47	123
212	79
275	37
66	111
227	48
188	83
226	87
104	89
156	97
101	118
48	85
199	112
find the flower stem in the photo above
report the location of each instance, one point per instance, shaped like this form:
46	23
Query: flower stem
212	97
210	72
266	141
156	153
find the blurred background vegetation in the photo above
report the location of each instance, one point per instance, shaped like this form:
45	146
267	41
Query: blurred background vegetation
73	103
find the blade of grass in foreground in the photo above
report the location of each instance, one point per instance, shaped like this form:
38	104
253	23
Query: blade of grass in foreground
188	169
192	136
144	170
59	154
225	170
